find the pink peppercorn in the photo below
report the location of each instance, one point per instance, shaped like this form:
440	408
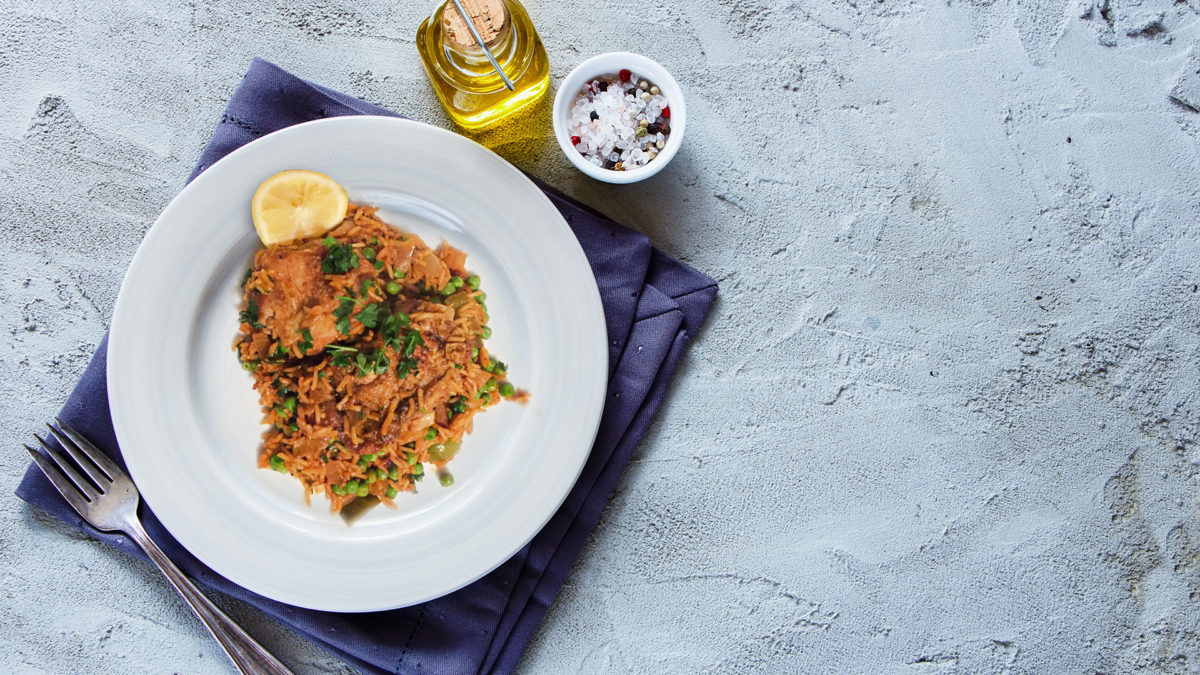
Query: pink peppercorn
575	140
624	74
666	113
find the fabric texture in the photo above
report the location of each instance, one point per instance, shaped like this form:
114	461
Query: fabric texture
653	304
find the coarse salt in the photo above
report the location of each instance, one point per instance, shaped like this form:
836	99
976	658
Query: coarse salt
608	113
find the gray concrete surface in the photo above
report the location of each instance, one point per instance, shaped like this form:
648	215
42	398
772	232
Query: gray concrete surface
943	418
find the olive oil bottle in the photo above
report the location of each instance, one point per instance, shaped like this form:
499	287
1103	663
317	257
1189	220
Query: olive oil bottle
473	93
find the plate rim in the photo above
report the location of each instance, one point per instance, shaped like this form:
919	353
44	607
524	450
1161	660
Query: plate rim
124	319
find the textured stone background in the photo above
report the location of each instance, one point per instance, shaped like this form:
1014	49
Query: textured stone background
944	416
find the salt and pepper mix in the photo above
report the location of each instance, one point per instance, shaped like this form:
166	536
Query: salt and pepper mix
619	122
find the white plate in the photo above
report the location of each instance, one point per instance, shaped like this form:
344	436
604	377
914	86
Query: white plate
188	419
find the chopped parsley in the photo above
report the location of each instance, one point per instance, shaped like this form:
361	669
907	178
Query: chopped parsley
343	357
339	259
389	329
405	367
411	341
307	343
375	363
369	316
342	315
250	315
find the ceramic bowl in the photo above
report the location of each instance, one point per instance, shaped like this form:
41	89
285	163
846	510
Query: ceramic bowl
607	64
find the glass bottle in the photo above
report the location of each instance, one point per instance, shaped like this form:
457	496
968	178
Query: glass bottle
468	86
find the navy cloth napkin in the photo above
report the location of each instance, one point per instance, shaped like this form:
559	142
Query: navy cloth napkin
652	305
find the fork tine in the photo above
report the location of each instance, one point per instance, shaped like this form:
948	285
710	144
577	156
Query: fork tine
81	483
64	487
98	477
95	454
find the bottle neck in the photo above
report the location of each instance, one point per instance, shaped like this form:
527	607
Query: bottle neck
466	65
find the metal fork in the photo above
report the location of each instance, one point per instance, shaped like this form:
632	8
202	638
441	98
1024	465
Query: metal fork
107	499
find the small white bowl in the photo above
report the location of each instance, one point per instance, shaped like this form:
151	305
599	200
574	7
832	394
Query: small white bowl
608	64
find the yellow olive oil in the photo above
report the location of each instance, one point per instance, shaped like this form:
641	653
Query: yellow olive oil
473	94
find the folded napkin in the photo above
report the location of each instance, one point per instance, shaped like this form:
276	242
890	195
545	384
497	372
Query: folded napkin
652	305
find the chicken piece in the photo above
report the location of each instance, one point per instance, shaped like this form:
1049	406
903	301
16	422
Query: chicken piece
301	295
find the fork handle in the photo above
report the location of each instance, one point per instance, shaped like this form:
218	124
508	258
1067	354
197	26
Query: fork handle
249	657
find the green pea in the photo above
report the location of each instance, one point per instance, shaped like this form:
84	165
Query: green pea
507	389
378	264
457	281
490	385
277	463
393	288
371	456
418	470
446	479
437	452
290	403
490	367
480	298
351	486
410	458
394	472
362	491
473	281
485	397
372	475
474	354
486	332
337	489
448	289
430	434
391	492
368	253
250	366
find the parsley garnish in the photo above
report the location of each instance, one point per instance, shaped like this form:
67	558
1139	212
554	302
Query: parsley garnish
375	363
340	258
250	315
405	367
343	357
389	329
369	316
342	314
307	343
411	341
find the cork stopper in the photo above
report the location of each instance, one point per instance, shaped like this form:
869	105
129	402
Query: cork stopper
487	15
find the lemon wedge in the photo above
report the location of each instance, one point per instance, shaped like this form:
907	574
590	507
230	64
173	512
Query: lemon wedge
297	204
